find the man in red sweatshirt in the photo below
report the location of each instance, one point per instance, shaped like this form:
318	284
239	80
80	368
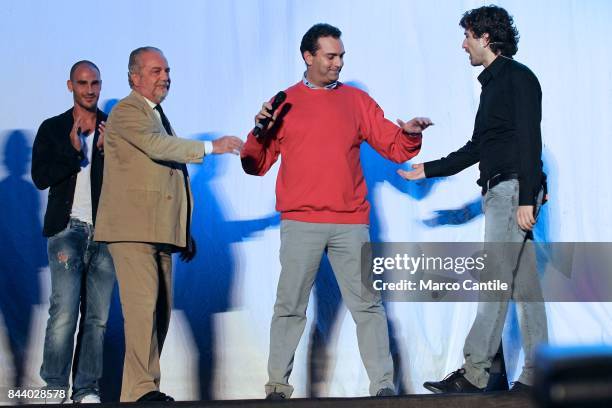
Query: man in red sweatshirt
321	194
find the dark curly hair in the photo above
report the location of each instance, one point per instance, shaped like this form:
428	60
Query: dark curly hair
310	41
495	21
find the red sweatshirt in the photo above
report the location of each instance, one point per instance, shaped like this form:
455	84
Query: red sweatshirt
320	178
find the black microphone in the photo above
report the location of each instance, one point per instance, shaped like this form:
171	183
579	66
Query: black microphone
263	123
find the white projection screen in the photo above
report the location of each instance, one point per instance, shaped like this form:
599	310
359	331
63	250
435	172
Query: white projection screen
226	58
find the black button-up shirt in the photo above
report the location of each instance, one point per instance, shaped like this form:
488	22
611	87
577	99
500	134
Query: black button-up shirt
506	136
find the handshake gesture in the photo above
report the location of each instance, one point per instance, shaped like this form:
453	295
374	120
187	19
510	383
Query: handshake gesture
414	127
417	172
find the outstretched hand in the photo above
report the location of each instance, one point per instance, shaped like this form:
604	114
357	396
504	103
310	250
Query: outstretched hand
415	126
417	174
227	144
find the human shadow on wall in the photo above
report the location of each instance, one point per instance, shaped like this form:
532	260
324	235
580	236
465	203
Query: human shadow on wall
322	342
203	287
22	249
456	216
377	171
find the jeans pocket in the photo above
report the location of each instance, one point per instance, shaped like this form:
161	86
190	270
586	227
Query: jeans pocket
61	234
508	189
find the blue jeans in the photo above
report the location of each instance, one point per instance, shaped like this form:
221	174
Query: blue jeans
82	278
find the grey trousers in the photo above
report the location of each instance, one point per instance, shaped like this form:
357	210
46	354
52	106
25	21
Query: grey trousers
500	207
302	246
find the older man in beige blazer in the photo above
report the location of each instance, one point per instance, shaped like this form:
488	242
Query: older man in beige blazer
144	214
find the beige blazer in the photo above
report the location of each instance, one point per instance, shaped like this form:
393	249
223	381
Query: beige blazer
144	194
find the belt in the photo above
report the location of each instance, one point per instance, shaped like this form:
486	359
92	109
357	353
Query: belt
496	179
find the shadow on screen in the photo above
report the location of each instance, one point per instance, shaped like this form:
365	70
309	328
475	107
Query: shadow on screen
22	249
203	287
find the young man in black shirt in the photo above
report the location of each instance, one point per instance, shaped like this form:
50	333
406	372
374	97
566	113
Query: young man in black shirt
507	143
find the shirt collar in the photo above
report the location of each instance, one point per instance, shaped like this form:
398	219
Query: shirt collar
306	82
492	70
151	104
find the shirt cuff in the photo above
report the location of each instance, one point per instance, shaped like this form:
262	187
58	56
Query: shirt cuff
433	168
527	195
208	147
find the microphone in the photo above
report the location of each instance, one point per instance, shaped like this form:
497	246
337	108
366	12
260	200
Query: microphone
263	124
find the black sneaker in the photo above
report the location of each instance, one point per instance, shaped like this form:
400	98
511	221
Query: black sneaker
276	396
385	392
454	382
518	386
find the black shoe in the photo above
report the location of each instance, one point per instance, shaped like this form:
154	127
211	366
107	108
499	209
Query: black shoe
385	392
276	396
520	387
155	396
454	382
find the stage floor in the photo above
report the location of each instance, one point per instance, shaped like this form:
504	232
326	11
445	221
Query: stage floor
486	400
